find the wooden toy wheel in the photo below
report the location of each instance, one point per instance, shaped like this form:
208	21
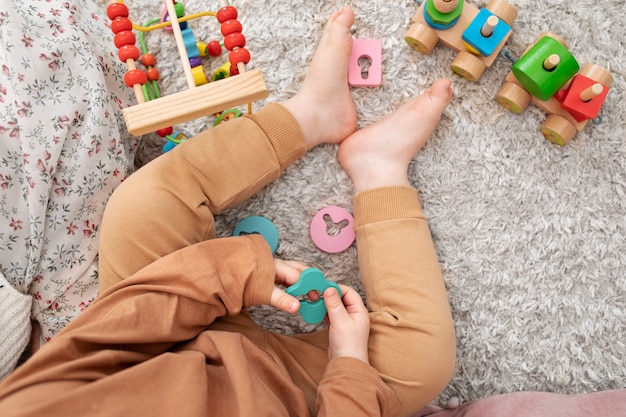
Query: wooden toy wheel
553	36
421	38
513	97
468	66
598	74
503	10
558	130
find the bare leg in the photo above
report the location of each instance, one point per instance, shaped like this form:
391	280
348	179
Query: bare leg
379	155
327	77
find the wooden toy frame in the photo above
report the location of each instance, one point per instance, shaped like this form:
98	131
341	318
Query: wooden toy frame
149	116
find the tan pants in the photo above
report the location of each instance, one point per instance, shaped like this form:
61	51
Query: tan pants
170	203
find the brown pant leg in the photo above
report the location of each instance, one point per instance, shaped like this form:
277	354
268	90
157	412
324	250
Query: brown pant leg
169	203
412	342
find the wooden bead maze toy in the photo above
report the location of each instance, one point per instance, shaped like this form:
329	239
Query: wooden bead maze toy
548	75
155	113
478	35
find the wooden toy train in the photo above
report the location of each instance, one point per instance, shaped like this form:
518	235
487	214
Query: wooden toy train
478	35
548	75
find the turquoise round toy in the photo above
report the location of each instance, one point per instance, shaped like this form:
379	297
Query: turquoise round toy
260	225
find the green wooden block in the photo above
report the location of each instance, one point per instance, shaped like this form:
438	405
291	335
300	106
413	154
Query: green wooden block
532	75
443	18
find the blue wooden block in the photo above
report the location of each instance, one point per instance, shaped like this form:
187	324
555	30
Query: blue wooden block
485	45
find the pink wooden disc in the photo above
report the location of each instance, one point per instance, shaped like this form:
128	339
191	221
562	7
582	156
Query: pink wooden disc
319	231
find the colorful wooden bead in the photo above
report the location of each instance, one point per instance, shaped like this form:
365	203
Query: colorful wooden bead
234	40
312	279
195	61
539	81
239	55
165	131
442	20
482	36
226	13
260	225
134	77
214	48
190	43
125	37
127	52
199	76
152	74
584	106
148	60
319	231
231	26
120	24
117	10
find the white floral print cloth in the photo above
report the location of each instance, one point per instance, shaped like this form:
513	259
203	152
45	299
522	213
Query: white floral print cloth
63	150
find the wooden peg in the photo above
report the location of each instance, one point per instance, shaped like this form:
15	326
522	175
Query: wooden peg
590	92
180	43
551	62
445	6
489	26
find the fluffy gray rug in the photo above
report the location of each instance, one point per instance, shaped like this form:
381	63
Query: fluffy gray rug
531	236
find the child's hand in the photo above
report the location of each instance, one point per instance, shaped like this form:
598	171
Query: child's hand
287	274
348	324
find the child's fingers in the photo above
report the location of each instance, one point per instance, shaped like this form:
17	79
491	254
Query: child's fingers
334	305
283	301
288	272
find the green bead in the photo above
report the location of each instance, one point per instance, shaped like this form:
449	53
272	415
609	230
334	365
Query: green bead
443	18
532	75
180	9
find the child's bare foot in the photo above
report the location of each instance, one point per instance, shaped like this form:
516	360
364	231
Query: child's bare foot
324	106
379	155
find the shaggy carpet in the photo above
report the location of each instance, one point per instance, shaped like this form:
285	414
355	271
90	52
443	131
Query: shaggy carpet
530	235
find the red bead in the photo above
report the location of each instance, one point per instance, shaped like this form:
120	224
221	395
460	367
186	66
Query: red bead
231	26
127	52
166	131
125	37
117	10
233	70
135	76
214	48
239	55
120	24
226	13
148	60
152	74
234	40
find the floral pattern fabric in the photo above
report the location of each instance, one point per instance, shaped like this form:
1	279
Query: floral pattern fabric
63	150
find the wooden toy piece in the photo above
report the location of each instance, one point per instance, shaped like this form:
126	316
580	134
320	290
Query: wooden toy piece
261	225
319	231
370	49
442	14
312	279
584	96
484	45
180	43
196	102
489	26
154	112
536	70
568	111
430	26
591	92
551	62
445	6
